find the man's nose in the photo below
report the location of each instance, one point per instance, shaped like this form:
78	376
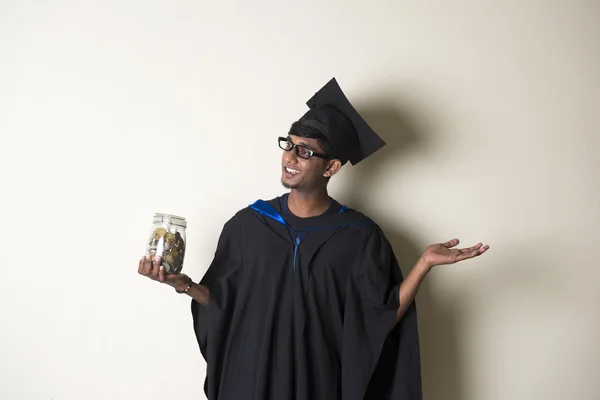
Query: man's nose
291	157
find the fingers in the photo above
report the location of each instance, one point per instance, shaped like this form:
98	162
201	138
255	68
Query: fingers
471	252
451	243
454	242
161	273
478	249
141	265
147	266
155	268
478	245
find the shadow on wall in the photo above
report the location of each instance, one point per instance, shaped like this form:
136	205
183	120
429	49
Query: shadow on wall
438	331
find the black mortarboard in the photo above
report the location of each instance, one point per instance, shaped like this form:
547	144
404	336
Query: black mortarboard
332	114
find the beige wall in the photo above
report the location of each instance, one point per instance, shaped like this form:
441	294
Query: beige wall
111	111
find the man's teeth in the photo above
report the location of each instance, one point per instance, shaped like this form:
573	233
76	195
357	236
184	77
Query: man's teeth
292	171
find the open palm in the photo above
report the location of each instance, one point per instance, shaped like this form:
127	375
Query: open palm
444	253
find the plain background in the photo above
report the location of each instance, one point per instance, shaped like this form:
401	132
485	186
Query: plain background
111	111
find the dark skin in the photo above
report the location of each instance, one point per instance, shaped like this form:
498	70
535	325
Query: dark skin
307	181
308	195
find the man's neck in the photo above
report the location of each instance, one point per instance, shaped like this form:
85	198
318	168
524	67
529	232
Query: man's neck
308	204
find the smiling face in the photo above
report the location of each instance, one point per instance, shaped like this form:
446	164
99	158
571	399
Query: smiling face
306	174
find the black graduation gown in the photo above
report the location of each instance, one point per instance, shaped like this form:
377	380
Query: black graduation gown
314	320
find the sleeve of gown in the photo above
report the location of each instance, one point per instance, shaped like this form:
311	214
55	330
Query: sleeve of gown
380	358
220	280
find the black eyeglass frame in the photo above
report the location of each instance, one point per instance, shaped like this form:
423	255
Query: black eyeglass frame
282	139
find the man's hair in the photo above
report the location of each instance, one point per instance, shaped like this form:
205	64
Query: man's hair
305	131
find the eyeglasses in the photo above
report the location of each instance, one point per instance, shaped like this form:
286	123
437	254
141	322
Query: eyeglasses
301	150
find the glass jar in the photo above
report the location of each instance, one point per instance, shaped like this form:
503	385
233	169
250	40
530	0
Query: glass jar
167	240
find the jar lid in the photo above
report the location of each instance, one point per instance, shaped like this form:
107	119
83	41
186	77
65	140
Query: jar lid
170	219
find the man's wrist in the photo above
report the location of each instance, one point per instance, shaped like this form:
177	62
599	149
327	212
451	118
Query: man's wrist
423	266
185	287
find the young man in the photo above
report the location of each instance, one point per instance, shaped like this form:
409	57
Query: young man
304	298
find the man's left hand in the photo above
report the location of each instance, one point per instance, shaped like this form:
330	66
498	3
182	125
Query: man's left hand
443	253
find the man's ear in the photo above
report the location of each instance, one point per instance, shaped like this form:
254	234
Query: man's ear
332	168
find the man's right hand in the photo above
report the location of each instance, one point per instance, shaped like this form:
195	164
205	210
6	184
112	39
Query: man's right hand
155	271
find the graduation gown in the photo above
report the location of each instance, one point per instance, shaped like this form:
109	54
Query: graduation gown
305	309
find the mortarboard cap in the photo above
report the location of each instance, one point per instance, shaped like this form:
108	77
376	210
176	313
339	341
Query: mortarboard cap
332	114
